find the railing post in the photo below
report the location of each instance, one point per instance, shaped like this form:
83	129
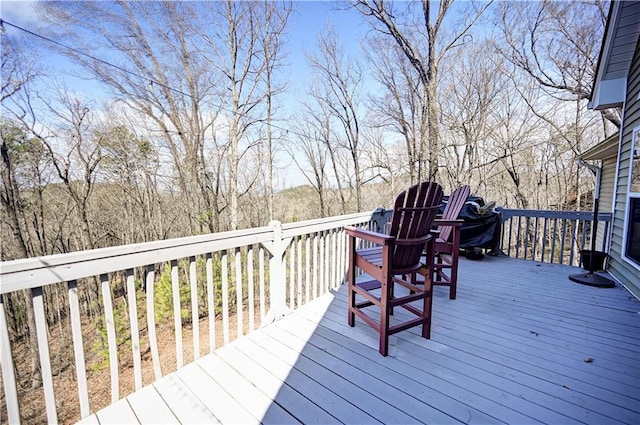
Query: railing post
8	372
43	350
277	272
78	350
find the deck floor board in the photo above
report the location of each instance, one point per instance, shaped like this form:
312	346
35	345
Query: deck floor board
541	391
520	344
149	407
471	377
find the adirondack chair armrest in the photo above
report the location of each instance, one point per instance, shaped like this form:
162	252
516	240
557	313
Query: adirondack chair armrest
414	241
378	238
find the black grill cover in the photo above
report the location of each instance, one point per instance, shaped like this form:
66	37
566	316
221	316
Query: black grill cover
478	230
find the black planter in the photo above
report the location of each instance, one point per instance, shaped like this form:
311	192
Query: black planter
592	261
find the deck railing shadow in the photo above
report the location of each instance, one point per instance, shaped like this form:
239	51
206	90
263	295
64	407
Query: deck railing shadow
526	356
124	303
349	380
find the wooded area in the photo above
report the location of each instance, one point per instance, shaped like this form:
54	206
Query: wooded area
192	140
192	137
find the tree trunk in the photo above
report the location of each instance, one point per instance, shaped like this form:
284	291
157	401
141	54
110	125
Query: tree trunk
11	202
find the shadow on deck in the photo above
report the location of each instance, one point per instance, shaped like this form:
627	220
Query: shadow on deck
521	344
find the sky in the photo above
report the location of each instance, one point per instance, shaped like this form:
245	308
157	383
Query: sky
17	10
308	20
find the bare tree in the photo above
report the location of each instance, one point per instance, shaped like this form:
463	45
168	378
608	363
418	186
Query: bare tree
19	71
397	108
336	91
312	134
156	73
200	73
508	150
472	83
19	67
275	21
419	36
18	149
234	49
75	151
556	43
129	173
388	162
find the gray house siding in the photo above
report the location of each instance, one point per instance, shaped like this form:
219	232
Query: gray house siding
620	268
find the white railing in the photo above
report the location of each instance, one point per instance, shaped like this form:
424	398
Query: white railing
551	236
229	282
547	236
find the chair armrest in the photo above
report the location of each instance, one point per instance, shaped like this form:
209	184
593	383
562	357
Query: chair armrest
413	241
441	222
375	237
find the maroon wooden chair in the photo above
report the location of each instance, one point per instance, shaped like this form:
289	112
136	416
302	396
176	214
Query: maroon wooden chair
394	262
447	241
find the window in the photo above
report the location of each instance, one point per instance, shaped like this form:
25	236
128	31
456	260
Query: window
635	166
632	243
633	237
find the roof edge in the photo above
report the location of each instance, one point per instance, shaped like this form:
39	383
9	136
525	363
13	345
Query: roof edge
605	149
603	57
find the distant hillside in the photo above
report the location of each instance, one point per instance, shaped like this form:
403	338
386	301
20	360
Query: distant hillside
302	202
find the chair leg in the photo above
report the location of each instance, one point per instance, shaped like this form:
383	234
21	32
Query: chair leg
428	287
384	343
455	252
391	295
440	276
426	309
351	319
385	312
454	277
351	294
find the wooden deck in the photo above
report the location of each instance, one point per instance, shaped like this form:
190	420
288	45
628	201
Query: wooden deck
521	344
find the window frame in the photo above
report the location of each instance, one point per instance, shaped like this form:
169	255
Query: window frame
631	196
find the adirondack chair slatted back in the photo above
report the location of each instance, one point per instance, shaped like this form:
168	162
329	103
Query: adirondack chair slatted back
446	246
452	209
413	214
394	275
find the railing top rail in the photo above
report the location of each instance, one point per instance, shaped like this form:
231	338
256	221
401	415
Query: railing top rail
570	215
38	271
320	224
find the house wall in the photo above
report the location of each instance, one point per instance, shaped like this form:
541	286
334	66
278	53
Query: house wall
618	267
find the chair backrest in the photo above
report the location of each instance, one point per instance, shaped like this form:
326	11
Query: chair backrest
413	215
451	211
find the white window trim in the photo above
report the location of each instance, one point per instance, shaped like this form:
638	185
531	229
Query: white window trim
635	144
